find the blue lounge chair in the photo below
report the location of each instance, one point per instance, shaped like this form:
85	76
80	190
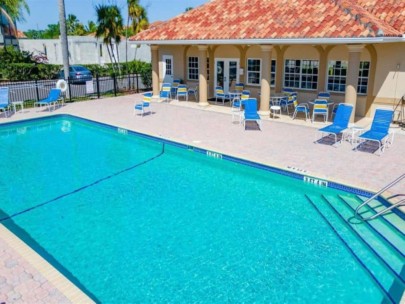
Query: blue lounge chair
53	97
4	100
250	113
379	130
145	103
340	123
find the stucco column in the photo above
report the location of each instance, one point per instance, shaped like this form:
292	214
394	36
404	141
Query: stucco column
155	70
322	68
279	68
353	76
264	108
202	77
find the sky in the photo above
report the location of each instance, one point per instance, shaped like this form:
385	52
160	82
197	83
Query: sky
44	12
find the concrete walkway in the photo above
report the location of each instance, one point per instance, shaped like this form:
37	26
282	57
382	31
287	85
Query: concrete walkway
282	143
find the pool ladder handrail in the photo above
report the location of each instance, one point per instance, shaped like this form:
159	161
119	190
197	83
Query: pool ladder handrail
393	183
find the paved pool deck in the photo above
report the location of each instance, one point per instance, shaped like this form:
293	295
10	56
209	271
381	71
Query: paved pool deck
284	143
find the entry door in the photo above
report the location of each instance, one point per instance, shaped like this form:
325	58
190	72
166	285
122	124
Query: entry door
226	73
168	68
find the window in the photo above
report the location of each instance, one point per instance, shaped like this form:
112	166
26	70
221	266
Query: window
192	68
337	73
363	77
301	74
253	71
273	73
168	62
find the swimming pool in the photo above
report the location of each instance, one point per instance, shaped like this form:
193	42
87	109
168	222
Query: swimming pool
134	219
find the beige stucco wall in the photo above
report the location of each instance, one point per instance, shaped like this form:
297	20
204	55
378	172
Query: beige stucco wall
390	77
178	60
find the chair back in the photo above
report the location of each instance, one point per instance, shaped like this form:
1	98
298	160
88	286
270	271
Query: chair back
320	106
324	95
4	93
219	92
147	97
287	91
182	90
166	90
175	83
250	106
245	95
166	87
239	87
343	113
54	94
382	120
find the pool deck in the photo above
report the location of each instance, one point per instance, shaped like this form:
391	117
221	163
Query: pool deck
281	143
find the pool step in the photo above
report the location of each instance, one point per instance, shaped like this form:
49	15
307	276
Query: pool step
382	224
336	212
391	217
374	239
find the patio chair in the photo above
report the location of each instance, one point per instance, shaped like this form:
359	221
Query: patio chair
288	101
219	93
182	92
174	86
53	98
165	93
250	113
300	108
4	100
379	130
236	105
320	108
340	123
144	103
193	91
287	91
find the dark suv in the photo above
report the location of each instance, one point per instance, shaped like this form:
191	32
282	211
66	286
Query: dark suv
77	74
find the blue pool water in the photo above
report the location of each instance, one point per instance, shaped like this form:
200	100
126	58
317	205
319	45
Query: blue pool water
132	223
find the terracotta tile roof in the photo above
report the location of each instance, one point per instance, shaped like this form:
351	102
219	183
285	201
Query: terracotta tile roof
275	19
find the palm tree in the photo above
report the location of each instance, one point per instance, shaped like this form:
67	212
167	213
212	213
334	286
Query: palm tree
91	27
110	28
138	18
13	10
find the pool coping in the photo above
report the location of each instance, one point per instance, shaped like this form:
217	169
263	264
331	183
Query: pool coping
73	293
56	276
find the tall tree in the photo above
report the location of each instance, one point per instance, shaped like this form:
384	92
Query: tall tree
63	38
74	26
138	18
110	28
91	27
13	10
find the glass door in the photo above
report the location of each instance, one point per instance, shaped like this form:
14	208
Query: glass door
226	73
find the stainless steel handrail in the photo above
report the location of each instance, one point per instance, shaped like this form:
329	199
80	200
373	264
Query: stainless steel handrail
393	183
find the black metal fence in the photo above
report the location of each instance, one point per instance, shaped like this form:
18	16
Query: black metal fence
33	91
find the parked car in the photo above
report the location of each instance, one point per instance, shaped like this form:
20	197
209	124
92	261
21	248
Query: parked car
77	74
